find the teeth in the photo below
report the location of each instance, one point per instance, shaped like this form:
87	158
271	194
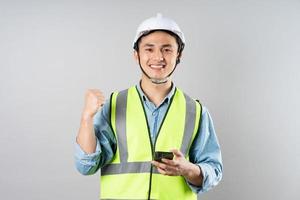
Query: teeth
157	66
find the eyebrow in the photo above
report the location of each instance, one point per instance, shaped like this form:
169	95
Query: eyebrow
152	45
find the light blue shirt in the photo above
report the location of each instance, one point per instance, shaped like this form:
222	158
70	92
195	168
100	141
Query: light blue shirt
205	151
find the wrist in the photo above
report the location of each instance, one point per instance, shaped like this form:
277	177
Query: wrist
86	118
193	171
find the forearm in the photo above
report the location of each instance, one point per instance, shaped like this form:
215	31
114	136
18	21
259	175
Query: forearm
86	137
206	154
194	175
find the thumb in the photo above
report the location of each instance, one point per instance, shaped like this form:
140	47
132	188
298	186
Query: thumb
177	153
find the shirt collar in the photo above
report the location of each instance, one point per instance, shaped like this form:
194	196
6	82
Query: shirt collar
166	99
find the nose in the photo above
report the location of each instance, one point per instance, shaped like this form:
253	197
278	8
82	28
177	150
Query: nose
158	55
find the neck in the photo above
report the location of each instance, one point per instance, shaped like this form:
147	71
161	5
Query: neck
155	92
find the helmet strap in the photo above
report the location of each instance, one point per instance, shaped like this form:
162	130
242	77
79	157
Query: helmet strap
157	80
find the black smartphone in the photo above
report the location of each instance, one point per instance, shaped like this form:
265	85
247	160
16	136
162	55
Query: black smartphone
163	154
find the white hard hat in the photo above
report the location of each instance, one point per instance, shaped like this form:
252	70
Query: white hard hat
158	23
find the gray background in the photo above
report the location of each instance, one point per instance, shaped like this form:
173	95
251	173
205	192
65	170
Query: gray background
241	60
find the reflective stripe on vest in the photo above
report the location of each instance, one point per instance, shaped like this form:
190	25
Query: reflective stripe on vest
128	175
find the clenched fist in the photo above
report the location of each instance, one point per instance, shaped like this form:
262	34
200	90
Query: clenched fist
94	99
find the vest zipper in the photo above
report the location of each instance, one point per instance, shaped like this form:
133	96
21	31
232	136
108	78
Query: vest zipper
171	100
150	140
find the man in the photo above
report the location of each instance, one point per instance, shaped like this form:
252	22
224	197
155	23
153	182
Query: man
154	116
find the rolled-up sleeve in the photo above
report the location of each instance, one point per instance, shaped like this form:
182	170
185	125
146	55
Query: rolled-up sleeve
87	164
206	153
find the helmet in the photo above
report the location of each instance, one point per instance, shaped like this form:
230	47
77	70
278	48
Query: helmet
158	23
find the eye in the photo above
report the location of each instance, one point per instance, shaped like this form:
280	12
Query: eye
167	50
149	50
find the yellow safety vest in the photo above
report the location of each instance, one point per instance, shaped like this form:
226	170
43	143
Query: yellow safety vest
130	174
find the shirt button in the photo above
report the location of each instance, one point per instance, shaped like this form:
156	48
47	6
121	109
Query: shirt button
154	113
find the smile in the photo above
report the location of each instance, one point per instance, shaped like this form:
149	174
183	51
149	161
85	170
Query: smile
160	66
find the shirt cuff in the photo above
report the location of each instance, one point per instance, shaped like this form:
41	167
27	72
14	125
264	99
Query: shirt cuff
85	158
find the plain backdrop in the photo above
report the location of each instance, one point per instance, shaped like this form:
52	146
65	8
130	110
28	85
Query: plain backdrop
242	60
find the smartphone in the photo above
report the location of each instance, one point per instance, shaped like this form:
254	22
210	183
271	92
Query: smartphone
163	154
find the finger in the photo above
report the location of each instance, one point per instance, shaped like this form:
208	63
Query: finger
99	96
161	171
159	165
169	162
96	92
155	163
170	171
177	153
100	100
93	91
166	169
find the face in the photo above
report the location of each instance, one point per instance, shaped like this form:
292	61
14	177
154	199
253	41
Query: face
157	54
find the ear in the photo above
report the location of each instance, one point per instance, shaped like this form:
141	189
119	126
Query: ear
178	59
179	55
136	56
